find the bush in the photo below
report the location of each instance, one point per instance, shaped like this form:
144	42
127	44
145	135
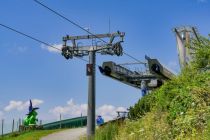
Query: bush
180	109
107	132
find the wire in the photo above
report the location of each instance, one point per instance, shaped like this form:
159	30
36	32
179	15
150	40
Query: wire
87	61
77	25
131	64
72	22
133	58
35	39
82	59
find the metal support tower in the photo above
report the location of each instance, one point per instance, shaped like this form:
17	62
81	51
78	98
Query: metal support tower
110	48
91	96
184	35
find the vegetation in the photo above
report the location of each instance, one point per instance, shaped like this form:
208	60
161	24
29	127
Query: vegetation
180	109
107	132
30	135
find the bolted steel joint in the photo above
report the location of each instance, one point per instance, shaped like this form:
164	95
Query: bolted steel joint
67	52
117	48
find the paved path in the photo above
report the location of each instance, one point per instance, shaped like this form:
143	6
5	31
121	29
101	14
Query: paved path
70	134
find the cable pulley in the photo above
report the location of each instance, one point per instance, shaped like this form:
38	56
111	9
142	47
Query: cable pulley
117	48
66	52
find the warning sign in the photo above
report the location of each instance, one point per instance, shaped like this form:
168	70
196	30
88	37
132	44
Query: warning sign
89	69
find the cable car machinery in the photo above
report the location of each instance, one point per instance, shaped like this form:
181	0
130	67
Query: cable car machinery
154	76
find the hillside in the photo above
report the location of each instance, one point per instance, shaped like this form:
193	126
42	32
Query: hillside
29	135
180	109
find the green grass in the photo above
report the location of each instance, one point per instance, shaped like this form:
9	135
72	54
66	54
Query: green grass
106	132
180	109
32	135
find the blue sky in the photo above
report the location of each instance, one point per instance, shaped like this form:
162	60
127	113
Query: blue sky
30	72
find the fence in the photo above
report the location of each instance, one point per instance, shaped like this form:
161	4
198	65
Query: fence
15	125
7	128
67	123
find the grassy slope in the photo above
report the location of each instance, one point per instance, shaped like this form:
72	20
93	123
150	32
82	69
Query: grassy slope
180	109
32	135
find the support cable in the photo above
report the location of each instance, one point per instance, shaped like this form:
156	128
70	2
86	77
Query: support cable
65	18
77	25
28	36
35	39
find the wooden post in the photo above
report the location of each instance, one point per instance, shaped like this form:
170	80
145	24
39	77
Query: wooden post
19	124
2	128
13	124
81	120
60	121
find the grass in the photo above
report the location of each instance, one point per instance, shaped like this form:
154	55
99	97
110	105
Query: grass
180	109
106	132
31	135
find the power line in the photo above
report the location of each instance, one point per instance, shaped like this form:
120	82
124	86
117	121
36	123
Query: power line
72	22
83	59
33	38
77	25
133	58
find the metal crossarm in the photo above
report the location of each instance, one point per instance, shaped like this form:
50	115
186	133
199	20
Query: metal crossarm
111	48
117	34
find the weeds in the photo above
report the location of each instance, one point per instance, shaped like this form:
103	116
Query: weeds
180	109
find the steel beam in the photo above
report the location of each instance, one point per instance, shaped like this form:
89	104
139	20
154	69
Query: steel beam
91	97
121	34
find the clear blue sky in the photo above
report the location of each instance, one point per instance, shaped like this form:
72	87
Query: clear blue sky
30	72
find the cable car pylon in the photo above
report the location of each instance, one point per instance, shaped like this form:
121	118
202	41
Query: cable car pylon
73	50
